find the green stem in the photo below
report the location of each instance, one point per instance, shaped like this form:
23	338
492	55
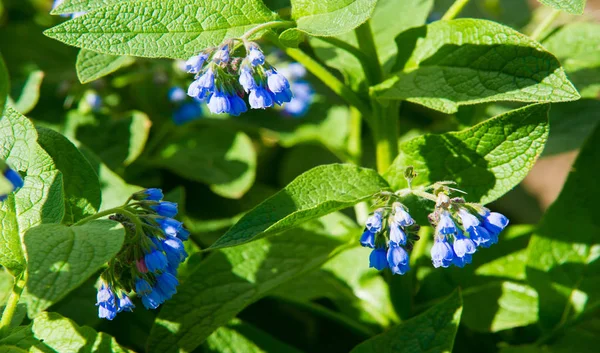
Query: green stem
110	211
267	25
384	124
355	136
455	9
329	79
542	27
11	304
366	43
357	53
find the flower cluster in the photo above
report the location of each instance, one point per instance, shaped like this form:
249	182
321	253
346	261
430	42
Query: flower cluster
222	81
460	228
12	181
148	262
391	235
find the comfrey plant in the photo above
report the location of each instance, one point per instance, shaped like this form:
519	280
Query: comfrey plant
222	80
460	228
147	264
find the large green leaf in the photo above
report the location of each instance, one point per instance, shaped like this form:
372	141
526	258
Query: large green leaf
91	65
486	160
331	17
63	335
172	29
61	258
30	93
468	61
319	191
238	336
432	331
574	7
71	6
81	186
39	201
224	159
231	279
564	254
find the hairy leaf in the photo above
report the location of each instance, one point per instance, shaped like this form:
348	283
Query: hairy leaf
71	6
574	7
39	201
171	29
61	258
432	331
486	160
564	254
30	94
81	187
231	279
91	65
331	17
319	191
469	61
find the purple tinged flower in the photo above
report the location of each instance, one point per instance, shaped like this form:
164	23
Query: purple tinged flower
125	304
446	224
238	106
260	98
441	253
152	300
140	264
165	209
397	236
373	223
14	178
175	251
219	103
169	226
106	303
142	287
155	260
246	79
367	239
378	259
256	56
397	259
176	94
194	64
463	245
186	113
402	217
167	284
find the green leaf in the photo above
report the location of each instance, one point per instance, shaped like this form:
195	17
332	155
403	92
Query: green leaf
238	336
499	306
486	160
91	65
23	338
81	186
563	261
223	159
469	61
4	84
63	335
39	201
432	331
11	349
71	6
30	94
331	17
174	29
118	141
228	280
321	190
291	37
61	258
574	7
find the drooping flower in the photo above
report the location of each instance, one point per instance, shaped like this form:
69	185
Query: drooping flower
167	284
13	178
238	106
463	245
280	87
194	64
142	287
169	226
152	300
140	264
155	260
494	223
441	253
397	236
125	304
378	259
165	209
106	303
151	194
446	225
260	98
174	250
374	222
397	259
367	239
255	55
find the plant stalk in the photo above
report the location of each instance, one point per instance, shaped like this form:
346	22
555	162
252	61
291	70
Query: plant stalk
542	27
455	9
11	304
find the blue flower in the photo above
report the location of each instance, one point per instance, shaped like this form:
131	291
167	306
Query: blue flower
367	239
167	284
238	106
441	253
246	79
480	236
14	178
402	217
461	261
203	86
169	226
283	97
373	223
152	300
255	56
194	64
494	223
94	101
106	303
183	234
222	55
446	224
165	209
397	236
378	259
463	245
186	113
176	94
397	259
175	251
125	304
277	82
151	194
142	287
260	98
468	220
155	260
219	103
303	97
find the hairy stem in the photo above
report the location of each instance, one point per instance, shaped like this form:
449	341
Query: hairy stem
455	9
11	304
542	27
355	136
384	124
366	43
267	25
